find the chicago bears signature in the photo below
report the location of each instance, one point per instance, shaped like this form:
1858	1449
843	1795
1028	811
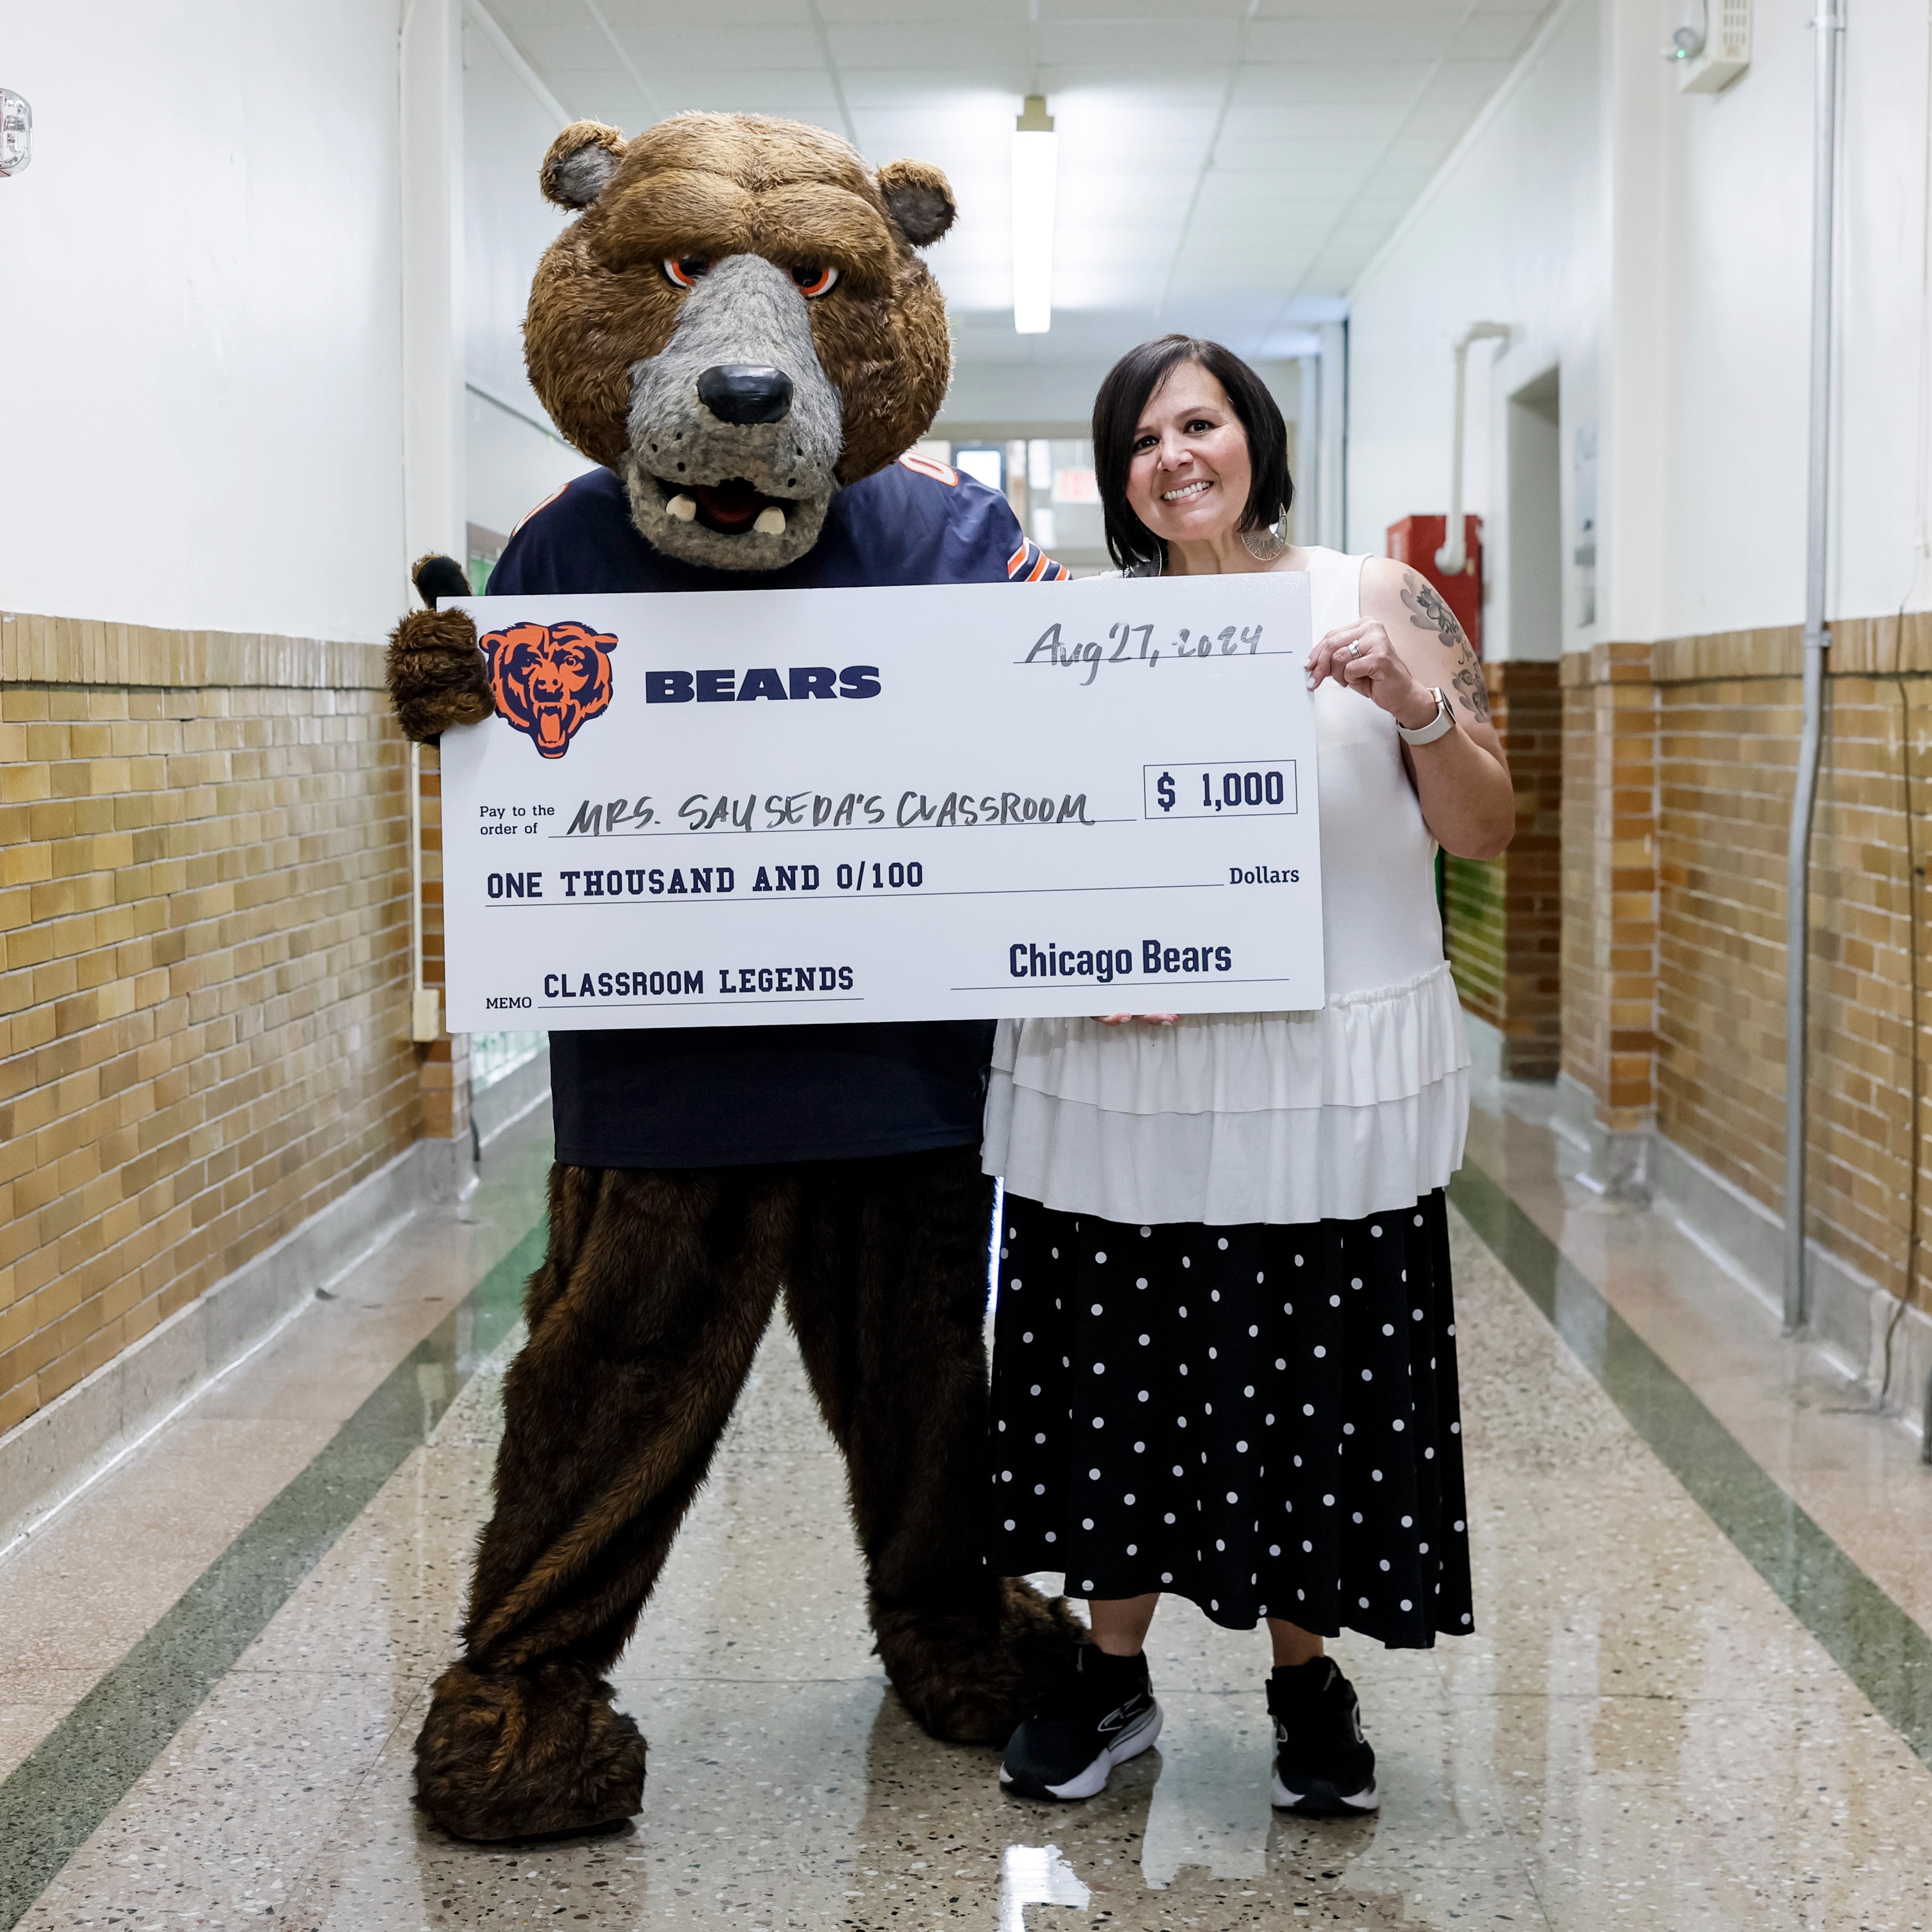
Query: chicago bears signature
549	679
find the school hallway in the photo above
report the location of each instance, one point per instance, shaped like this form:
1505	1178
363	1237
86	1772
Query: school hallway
376	372
1699	1693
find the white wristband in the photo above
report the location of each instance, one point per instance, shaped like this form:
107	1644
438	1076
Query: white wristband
1444	720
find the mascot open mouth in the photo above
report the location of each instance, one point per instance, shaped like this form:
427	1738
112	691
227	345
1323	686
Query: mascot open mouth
737	504
733	523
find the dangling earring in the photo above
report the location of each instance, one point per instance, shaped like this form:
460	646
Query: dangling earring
1264	544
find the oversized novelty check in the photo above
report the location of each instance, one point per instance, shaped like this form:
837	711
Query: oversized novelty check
742	808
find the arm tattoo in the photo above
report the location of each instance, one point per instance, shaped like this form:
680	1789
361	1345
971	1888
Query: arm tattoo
1427	612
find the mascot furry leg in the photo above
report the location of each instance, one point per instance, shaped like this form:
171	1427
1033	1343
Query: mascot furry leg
643	1321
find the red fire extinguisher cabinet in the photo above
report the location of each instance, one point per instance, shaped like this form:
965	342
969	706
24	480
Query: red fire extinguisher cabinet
1415	540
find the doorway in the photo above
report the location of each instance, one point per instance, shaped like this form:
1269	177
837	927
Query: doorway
1503	916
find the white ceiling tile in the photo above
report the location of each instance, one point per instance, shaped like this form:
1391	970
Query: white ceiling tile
1327	131
1120	95
1338	154
514	15
1470	81
1448	118
558	45
936	46
664	49
1323	176
912	89
1380	212
1302	121
1142	9
792	96
1328	82
1446	12
606	95
1148	46
674	13
972	136
1419	154
970	12
1364	41
1495	36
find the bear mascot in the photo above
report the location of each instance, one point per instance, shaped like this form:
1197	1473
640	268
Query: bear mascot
737	328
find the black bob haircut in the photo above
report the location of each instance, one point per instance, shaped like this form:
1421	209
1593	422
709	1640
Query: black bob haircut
1116	415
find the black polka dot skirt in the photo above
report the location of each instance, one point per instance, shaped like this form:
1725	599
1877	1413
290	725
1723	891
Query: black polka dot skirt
1262	1419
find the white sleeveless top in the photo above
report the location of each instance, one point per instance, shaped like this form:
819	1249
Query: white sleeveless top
1289	1118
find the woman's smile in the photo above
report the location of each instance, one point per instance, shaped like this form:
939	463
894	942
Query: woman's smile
1181	493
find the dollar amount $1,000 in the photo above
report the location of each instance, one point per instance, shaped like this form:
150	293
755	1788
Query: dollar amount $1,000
1264	788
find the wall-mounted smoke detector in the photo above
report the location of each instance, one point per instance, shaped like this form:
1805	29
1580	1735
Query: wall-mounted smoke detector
1710	42
17	133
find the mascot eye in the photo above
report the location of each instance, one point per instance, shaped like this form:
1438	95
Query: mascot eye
812	280
684	270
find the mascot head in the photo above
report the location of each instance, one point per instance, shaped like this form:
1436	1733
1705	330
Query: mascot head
737	324
549	679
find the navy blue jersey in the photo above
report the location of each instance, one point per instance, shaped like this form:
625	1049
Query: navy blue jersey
727	1096
913	522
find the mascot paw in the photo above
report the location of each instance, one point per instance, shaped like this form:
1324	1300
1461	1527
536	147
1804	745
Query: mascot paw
437	676
968	1681
527	1754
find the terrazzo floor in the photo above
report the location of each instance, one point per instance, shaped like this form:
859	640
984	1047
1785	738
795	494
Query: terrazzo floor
1641	1733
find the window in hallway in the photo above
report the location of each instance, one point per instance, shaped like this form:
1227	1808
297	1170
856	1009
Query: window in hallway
494	1055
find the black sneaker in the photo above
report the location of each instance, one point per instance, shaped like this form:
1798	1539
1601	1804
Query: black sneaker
1324	1767
1102	1714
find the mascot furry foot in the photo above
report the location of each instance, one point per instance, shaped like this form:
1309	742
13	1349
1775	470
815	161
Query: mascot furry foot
973	1680
738	329
528	1755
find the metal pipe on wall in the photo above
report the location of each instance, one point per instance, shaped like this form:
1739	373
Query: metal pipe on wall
1828	24
1453	558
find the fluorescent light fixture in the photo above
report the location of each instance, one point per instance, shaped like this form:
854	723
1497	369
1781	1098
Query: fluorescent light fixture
1036	166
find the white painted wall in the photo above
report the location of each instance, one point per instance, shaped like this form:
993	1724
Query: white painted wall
430	111
1655	245
1511	229
513	460
201	387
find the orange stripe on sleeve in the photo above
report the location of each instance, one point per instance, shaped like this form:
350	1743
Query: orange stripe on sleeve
544	505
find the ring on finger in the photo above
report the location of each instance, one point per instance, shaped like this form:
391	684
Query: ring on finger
1355	648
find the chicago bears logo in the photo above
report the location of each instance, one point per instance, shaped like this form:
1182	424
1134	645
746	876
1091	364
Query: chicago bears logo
549	679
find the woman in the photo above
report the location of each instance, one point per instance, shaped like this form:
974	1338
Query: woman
1224	1352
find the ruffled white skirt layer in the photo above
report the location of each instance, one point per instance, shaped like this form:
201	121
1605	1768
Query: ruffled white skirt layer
1237	1117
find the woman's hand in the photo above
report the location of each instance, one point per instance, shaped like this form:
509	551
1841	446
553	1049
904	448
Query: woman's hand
1152	1019
1361	657
1407	641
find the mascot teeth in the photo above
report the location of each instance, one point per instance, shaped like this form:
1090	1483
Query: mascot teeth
684	509
771	521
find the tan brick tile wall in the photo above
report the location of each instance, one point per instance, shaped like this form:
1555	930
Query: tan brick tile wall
1728	753
1504	916
1677	801
1609	879
204	956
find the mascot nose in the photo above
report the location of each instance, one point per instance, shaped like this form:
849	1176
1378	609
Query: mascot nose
746	392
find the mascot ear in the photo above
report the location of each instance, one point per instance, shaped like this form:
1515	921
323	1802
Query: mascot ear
918	199
580	163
